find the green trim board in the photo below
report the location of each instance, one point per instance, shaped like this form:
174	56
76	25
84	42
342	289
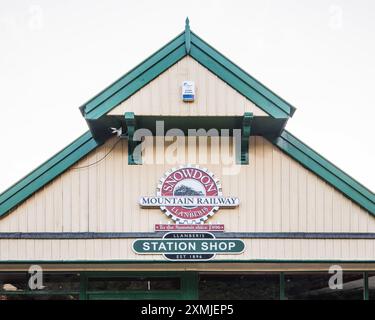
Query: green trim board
135	79
160	234
317	164
134	73
238	84
38	292
259	125
136	84
242	75
187	43
107	262
46	172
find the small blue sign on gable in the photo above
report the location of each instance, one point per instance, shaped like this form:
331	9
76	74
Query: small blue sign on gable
188	91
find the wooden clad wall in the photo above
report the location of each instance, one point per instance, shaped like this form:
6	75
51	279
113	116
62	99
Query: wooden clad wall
276	194
120	250
163	95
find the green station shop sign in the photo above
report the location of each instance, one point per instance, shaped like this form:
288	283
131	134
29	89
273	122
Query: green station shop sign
188	246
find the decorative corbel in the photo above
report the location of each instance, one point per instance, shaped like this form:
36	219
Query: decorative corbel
245	137
133	157
187	36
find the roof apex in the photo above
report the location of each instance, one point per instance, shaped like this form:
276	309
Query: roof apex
186	43
187	36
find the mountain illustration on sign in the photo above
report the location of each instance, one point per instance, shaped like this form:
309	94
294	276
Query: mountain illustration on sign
183	190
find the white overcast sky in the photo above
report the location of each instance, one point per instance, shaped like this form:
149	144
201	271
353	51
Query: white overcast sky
317	54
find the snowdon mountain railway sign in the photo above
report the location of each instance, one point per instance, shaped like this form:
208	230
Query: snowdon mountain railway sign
189	195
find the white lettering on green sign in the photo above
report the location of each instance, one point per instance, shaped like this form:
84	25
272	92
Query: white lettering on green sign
162	246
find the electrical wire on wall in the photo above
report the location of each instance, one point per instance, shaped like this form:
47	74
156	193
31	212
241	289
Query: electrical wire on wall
105	156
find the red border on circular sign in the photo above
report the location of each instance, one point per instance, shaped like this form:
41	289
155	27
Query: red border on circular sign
184	214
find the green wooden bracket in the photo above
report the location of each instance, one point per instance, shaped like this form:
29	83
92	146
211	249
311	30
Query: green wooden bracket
366	295
83	287
282	286
245	138
187	36
190	280
134	157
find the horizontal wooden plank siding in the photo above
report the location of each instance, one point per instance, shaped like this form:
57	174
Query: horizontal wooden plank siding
121	249
276	195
